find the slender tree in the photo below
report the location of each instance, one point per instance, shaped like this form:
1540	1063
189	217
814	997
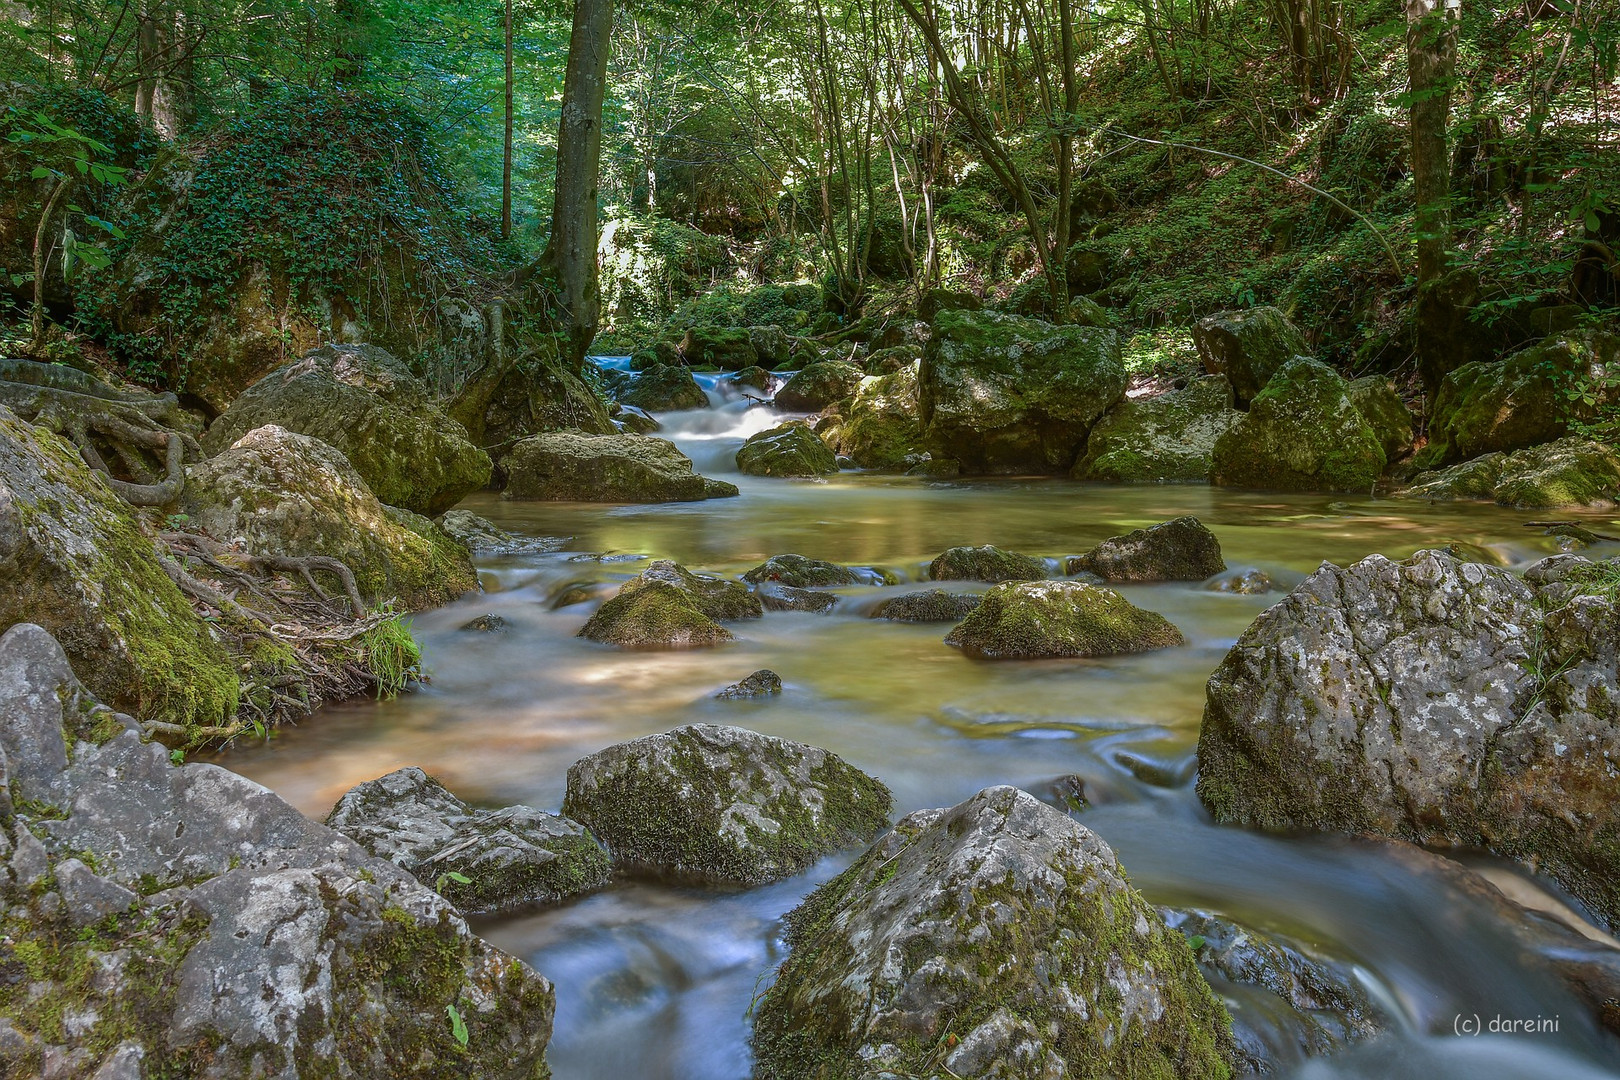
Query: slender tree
1431	57
506	149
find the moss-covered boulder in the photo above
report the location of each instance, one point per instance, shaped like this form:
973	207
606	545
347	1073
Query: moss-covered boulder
1379	404
818	385
1567	473
1303	432
1181	549
893	359
1004	394
1522	400
1031	620
668	606
997	938
771	344
723	804
805	573
934	301
1248	346
778	597
986	563
75	560
664	388
762	683
930	605
1169	438
285	494
789	449
726	347
570	465
480	860
368	405
880	428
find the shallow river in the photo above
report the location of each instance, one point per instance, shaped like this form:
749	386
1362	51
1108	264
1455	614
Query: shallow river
654	982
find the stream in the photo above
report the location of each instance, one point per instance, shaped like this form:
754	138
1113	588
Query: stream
654	982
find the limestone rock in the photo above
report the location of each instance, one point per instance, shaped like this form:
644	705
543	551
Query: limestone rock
1248	346
723	347
934	301
570	465
1036	619
985	563
1568	473
880	428
1375	398
931	605
762	683
1303	432
667	605
481	536
789	449
779	597
803	573
1169	438
665	387
818	385
1181	549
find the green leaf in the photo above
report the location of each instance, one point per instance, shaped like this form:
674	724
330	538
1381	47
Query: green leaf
41	172
458	1027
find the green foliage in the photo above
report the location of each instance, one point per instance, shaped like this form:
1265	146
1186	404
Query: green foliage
391	655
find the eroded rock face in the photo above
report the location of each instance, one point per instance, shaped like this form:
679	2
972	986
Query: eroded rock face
818	385
1433	700
570	465
368	405
283	493
1303	432
664	387
668	606
1168	439
511	858
1181	549
1248	346
1005	394
1032	620
723	804
986	563
229	935
930	605
1570	472
73	558
1001	921
790	449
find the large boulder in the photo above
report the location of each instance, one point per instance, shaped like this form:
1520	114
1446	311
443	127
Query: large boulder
1169	438
1032	620
818	385
1181	549
1004	394
880	429
571	465
1381	406
996	938
668	606
479	860
934	301
74	558
285	494
1248	346
800	572
190	917
724	347
1303	432
1570	472
789	449
1524	400
663	388
368	405
1444	702
986	563
723	804
771	344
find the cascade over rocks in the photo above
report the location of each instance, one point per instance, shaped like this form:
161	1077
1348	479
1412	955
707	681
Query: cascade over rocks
985	563
227	934
1005	923
1005	394
1303	432
511	858
723	804
1181	549
1248	346
571	465
1432	700
818	385
1568	473
789	449
1169	438
1033	620
362	401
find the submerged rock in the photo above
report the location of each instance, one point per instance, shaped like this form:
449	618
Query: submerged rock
1181	549
762	683
570	465
723	804
880	429
483	537
1444	702
1169	438
668	606
286	494
1005	394
985	563
663	388
778	597
1248	346
364	402
931	605
1250	582
996	938
1035	619
73	557
1303	432
484	624
510	858
251	941
818	385
1570	472
802	573
790	449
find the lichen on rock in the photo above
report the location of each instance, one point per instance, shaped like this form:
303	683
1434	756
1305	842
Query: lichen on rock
987	563
1303	432
789	449
1037	619
1571	472
1165	439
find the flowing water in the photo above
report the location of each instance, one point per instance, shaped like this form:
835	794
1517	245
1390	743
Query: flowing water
655	982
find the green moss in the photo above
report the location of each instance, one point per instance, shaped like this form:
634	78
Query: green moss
790	449
1028	620
985	563
654	615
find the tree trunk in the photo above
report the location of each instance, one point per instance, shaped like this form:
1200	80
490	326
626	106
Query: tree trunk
163	56
506	156
1431	56
570	255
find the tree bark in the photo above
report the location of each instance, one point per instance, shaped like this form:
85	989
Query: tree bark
1431	56
506	155
570	255
163	57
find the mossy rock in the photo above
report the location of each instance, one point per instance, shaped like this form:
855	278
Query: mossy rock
725	347
986	563
1036	619
570	465
288	494
1572	472
1084	311
717	597
658	354
818	385
76	561
762	683
1248	346
1181	549
722	804
930	605
1382	407
772	344
880	429
805	573
934	301
1303	432
995	938
790	449
1169	438
665	388
655	616
368	405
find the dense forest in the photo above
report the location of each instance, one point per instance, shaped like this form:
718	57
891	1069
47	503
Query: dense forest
1161	456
